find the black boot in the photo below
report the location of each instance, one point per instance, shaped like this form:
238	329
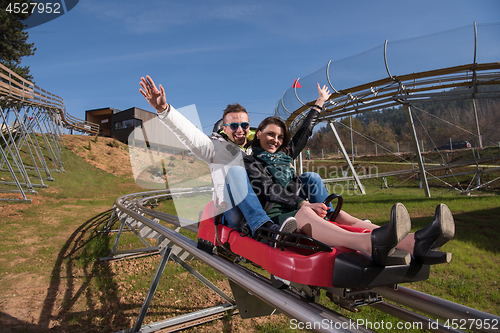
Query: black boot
385	238
428	241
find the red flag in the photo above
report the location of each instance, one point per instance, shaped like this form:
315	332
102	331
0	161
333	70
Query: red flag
296	84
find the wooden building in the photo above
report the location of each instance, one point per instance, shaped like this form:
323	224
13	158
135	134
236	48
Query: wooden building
118	124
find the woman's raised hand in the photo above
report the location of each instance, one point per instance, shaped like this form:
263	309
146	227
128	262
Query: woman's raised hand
324	94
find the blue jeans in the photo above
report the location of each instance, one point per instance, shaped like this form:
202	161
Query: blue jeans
313	188
243	202
245	205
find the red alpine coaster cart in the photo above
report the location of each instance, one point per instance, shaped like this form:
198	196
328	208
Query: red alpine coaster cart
303	260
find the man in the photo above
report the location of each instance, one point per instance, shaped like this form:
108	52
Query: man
223	151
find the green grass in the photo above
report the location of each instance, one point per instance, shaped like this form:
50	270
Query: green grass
58	241
472	277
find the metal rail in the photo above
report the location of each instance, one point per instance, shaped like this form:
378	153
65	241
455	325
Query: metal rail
285	302
454	314
423	87
427	169
290	303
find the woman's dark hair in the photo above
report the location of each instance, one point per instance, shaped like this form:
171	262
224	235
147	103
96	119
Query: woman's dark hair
275	121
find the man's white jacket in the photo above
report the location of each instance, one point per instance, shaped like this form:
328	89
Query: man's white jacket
219	153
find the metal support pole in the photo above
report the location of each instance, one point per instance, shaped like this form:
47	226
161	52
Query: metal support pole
11	148
115	245
165	255
477	124
110	223
7	136
352	139
137	233
25	139
54	137
44	133
355	175
301	166
475	87
38	147
202	279
423	176
14	176
478	174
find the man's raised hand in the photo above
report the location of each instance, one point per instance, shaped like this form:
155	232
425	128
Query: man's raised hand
156	98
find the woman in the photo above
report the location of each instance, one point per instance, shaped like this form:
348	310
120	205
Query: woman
278	187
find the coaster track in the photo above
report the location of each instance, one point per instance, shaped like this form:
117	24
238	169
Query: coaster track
394	80
424	87
132	207
30	122
467	79
15	90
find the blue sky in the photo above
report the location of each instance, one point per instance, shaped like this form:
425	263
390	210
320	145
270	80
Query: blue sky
213	53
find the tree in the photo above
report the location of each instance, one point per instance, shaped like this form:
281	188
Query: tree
13	40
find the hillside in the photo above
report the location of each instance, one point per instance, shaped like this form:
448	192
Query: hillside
106	154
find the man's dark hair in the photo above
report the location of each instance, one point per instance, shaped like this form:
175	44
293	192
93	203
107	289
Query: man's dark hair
235	107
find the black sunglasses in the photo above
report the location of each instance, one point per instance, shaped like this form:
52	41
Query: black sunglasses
234	126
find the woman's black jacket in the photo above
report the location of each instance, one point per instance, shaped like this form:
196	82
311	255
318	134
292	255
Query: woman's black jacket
263	184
